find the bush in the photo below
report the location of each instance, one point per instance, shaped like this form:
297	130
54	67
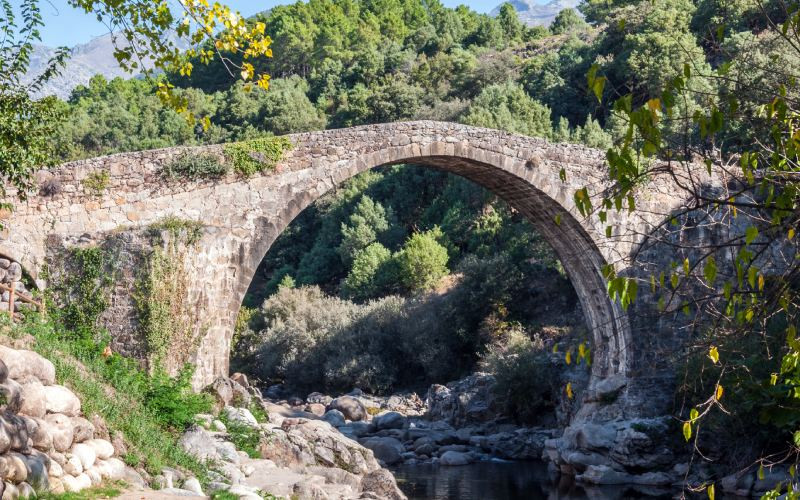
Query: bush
173	401
365	279
195	166
526	381
422	262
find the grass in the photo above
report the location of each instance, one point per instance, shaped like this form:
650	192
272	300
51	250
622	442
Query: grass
108	490
114	388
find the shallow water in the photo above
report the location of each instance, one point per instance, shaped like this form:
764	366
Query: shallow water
503	481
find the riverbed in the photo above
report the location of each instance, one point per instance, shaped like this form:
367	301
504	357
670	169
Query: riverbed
503	481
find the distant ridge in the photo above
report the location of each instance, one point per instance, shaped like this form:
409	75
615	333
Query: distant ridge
536	14
86	60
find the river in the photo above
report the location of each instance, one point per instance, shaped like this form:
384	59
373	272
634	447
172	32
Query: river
503	481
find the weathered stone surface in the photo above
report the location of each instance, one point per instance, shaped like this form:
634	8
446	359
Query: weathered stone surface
466	401
241	416
382	483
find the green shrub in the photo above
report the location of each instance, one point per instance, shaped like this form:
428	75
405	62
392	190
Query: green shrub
96	182
527	383
422	261
190	231
245	437
195	166
256	155
364	279
173	401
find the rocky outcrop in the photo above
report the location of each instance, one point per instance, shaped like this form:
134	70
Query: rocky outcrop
46	445
463	402
300	455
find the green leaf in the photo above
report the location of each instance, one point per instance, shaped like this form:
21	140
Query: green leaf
751	233
710	270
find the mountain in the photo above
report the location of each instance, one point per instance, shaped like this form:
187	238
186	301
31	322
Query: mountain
536	14
86	60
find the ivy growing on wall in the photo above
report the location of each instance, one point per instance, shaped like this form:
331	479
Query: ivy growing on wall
81	289
161	294
256	155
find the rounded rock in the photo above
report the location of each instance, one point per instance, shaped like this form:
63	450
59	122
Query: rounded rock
351	408
62	400
85	454
61	430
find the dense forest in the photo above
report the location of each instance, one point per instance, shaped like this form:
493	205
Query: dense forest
404	242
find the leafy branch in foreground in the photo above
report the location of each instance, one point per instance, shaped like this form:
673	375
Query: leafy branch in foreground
740	288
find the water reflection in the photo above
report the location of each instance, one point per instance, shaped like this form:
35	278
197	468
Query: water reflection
505	481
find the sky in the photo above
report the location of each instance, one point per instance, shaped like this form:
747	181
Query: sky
67	26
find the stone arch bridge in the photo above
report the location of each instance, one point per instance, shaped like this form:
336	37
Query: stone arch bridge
241	217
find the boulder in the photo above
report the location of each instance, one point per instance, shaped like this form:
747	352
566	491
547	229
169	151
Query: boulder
386	449
82	429
100	427
317	409
102	448
73	466
85	454
193	485
77	483
381	482
37	470
11	396
334	417
222	391
39	432
319	398
241	416
390	420
62	400
241	379
14	432
26	490
455	458
61	429
17	470
22	364
351	408
463	402
34	403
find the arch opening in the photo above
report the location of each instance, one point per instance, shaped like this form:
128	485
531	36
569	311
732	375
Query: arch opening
570	240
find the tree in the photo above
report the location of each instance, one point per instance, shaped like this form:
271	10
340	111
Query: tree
509	21
567	20
507	107
422	261
364	279
738	288
144	27
364	226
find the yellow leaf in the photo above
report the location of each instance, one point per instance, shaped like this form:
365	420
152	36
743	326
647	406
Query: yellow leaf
555	348
568	357
569	390
760	282
713	354
720	390
773	379
791	234
710	491
687	430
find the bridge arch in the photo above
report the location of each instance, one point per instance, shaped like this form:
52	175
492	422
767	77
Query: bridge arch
531	186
